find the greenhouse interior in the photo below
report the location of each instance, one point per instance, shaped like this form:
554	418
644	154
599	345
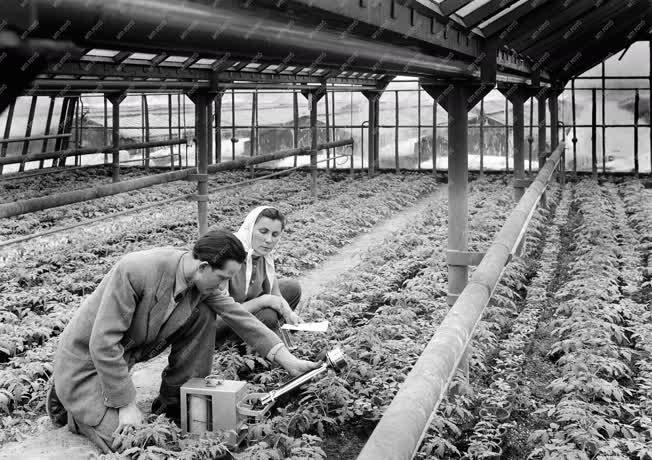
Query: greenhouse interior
311	229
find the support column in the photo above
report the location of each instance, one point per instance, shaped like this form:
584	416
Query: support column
170	131
458	179
594	133
61	128
313	97
295	123
636	107
482	138
374	113
147	131
554	131
396	123
434	137
115	99
517	96
105	129
328	136
218	126
202	101
574	128
541	106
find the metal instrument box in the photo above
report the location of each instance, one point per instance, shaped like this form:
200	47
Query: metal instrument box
211	405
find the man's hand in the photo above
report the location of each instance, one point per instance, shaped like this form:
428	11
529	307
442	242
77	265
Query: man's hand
280	305
292	364
130	415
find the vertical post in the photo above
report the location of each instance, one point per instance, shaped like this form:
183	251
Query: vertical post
218	126
434	137
48	124
594	132
334	134
482	137
650	102
396	121
115	100
295	123
170	130
252	132
4	146
574	109
377	132
28	130
506	136
106	129
419	129
328	135
313	98
232	123
458	123
147	132
256	131
371	96
636	106
179	126
142	128
209	133
77	124
604	122
518	107
530	139
541	107
202	101
553	101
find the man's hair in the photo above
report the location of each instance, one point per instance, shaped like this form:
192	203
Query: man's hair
274	214
217	247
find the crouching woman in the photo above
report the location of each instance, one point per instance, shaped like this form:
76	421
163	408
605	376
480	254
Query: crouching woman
255	285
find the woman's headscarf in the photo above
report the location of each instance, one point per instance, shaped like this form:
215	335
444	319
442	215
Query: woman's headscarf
245	235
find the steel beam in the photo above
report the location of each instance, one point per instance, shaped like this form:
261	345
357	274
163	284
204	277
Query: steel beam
448	7
271	38
505	21
597	26
535	27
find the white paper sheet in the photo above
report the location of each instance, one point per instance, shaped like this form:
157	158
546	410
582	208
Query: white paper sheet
321	326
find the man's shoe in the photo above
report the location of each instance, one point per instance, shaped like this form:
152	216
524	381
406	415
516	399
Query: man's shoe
55	410
171	411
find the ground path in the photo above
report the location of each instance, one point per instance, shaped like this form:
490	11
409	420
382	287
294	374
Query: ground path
60	444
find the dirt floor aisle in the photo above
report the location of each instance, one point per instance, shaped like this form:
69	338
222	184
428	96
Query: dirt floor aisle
61	444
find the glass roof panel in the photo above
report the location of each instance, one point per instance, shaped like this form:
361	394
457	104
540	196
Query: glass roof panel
484	24
475	4
143	56
102	52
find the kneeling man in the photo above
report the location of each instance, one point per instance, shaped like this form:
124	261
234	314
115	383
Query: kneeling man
149	300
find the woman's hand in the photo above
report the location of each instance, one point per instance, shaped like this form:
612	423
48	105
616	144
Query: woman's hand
130	415
280	305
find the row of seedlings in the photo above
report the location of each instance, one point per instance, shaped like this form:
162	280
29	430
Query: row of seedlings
593	416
